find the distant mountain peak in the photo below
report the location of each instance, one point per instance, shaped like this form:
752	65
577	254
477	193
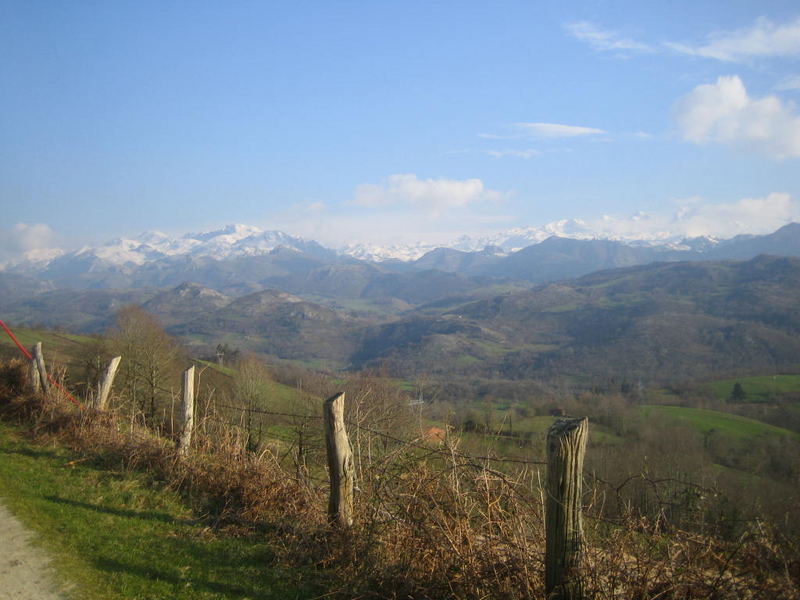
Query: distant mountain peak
234	231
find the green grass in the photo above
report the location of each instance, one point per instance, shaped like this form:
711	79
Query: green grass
62	347
29	337
118	536
466	360
229	371
276	395
531	432
711	420
758	388
738	476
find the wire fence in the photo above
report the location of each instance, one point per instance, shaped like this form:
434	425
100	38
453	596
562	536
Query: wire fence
30	357
422	443
450	453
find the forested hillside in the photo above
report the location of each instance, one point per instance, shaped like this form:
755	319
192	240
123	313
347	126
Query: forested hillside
663	322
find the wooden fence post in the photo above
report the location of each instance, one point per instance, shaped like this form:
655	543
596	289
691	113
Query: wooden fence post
33	376
340	463
101	401
566	447
38	356
188	411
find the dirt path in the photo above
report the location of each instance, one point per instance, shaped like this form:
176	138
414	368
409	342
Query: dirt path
24	569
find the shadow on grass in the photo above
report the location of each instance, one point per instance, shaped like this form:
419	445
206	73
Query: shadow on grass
123	512
31	453
239	568
200	583
87	462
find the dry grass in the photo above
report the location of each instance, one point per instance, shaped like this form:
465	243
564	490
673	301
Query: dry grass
430	522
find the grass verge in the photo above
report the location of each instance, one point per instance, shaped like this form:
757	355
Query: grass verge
119	535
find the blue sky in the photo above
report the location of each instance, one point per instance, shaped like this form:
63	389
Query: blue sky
395	121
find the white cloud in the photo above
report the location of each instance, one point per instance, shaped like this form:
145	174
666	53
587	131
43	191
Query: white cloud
401	209
31	237
695	217
601	39
556	130
32	241
724	113
684	218
433	196
763	39
748	215
342	225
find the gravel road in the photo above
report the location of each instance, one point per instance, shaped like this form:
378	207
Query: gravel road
24	568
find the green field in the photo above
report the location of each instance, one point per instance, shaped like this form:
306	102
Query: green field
711	420
276	396
757	389
119	536
63	347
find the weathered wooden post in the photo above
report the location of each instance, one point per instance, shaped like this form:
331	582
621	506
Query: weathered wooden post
340	463
566	447
101	402
33	376
38	356
188	411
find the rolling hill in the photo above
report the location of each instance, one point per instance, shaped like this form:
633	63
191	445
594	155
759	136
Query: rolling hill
660	322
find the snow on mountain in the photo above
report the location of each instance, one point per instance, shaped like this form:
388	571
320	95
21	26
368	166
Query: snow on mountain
509	241
522	237
120	251
227	242
518	238
378	253
35	259
246	240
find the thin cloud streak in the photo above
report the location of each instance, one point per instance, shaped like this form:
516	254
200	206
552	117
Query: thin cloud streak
556	130
790	83
524	154
763	39
603	39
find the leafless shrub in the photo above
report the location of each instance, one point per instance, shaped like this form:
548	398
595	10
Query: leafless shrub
431	521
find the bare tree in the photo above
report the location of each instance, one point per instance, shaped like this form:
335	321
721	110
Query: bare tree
251	384
151	359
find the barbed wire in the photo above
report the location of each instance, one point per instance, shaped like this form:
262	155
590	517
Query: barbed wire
412	444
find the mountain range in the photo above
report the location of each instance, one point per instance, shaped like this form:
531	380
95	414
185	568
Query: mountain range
661	322
239	259
234	241
560	308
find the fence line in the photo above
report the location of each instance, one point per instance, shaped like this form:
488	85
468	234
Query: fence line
387	436
30	357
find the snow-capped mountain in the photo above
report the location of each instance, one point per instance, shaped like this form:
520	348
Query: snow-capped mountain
238	241
238	260
518	238
228	242
513	240
378	253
